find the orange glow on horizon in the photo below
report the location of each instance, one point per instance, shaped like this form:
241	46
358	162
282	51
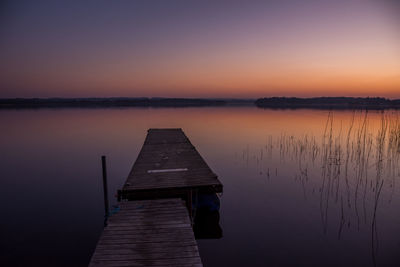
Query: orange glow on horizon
325	50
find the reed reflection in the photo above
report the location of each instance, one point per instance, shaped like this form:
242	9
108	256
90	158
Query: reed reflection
348	167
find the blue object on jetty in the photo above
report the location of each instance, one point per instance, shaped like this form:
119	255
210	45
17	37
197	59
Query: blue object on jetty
206	201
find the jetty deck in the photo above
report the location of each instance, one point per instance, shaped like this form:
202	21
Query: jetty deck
154	227
148	233
168	165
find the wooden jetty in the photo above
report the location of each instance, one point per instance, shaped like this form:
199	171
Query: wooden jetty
154	224
168	165
148	233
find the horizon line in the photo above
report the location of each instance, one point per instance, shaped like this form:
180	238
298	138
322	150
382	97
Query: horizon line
214	98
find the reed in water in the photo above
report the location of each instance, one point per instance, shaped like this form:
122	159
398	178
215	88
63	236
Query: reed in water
349	165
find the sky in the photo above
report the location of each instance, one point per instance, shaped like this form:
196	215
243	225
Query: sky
233	49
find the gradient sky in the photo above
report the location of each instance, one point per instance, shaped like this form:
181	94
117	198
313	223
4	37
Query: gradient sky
200	48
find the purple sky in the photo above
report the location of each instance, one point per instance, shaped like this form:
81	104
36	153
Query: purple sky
199	48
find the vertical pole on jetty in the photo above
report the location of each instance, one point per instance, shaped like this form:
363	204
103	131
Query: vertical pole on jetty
189	205
103	164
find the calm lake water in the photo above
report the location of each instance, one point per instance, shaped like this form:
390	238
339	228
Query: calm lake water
301	187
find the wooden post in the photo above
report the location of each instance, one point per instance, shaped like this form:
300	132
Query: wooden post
103	164
189	205
119	195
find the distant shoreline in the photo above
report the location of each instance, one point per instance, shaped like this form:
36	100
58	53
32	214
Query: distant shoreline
32	103
328	103
266	103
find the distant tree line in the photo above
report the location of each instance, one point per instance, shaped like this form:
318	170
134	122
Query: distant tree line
272	102
328	102
108	102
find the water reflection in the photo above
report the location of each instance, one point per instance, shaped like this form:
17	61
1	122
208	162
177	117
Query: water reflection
348	166
277	208
206	216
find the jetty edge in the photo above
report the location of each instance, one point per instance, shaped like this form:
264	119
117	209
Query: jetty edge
153	226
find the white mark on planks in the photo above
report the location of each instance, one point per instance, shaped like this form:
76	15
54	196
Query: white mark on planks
168	170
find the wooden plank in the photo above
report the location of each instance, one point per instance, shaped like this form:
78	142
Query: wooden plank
148	233
133	254
189	245
169	149
158	263
166	136
168	192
